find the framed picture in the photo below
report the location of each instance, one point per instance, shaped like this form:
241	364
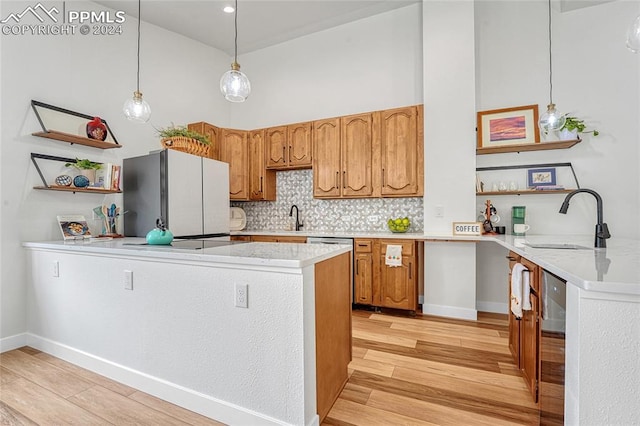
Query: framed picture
508	126
541	177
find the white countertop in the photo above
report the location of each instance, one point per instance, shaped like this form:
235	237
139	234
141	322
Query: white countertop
615	269
284	255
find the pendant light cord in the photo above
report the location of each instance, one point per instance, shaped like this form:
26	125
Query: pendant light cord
235	40
138	72
550	60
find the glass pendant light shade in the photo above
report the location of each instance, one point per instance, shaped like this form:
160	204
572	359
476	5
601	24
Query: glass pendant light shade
551	120
234	85
137	109
633	36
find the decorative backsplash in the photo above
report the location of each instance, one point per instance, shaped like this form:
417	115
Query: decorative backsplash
296	187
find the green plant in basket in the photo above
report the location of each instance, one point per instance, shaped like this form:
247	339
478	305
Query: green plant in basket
174	131
400	224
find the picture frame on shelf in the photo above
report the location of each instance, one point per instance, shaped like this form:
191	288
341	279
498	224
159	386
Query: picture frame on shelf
541	177
508	126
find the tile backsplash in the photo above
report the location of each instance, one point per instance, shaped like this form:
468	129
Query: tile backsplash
296	187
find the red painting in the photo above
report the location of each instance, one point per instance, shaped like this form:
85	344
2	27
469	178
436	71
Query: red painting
501	129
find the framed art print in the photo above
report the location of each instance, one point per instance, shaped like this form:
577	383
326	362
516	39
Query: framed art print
508	126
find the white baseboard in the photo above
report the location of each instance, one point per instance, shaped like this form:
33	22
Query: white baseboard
421	300
495	307
187	398
450	312
13	342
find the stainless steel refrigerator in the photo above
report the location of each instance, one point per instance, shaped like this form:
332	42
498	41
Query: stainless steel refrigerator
190	194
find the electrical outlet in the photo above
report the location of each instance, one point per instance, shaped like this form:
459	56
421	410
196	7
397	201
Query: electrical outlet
56	268
373	219
242	295
345	218
128	280
439	210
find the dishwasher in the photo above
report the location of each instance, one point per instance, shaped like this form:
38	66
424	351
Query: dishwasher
336	240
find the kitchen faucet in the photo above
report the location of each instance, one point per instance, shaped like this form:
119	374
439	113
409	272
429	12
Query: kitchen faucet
298	223
602	230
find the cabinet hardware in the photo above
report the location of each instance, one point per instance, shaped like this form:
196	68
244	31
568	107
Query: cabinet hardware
409	270
337	180
358	268
284	154
344	179
511	258
260	184
289	153
383	178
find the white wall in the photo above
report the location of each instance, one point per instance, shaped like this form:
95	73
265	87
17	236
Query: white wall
595	77
371	64
93	75
449	87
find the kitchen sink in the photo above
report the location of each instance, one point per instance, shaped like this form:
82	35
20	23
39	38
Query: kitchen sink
557	246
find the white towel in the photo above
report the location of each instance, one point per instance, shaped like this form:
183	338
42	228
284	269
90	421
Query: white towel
393	256
520	290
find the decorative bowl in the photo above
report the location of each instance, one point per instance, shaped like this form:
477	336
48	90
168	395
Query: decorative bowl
399	225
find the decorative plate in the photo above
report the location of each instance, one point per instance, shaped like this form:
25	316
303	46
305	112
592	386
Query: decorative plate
64	180
81	181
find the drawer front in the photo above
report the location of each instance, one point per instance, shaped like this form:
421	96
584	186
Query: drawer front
407	246
364	246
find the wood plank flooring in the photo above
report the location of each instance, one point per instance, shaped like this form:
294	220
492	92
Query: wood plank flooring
405	371
432	371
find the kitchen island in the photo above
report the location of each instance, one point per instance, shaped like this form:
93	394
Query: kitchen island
167	321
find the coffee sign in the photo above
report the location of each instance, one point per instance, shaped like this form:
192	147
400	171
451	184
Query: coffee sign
467	228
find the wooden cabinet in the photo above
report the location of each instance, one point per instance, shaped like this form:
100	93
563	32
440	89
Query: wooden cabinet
401	152
363	280
398	285
378	154
525	334
514	322
289	147
262	182
380	285
343	157
234	150
210	131
301	239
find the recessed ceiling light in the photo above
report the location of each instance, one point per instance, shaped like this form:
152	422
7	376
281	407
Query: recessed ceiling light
229	9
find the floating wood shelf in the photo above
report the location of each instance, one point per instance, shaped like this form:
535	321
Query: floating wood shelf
542	146
80	140
525	192
74	189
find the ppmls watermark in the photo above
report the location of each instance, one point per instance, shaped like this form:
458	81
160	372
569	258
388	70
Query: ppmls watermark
40	20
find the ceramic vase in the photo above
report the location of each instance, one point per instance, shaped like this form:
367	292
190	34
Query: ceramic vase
96	129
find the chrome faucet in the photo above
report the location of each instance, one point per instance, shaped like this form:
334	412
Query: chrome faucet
298	223
602	230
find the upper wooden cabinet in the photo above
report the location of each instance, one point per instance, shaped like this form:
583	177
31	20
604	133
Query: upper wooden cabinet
210	131
289	147
235	151
401	152
262	182
343	157
379	154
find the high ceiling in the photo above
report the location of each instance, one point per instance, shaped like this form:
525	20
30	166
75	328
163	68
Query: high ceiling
261	23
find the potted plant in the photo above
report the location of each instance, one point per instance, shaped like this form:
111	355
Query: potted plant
573	126
182	139
86	168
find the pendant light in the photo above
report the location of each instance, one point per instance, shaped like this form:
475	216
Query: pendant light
633	36
234	85
551	119
137	109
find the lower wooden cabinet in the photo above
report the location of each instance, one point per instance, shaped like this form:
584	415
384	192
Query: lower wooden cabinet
279	239
525	334
377	284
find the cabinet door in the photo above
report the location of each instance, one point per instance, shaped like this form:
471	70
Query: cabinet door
264	238
364	279
514	324
299	149
276	147
235	151
326	158
262	182
529	350
292	239
357	155
401	152
398	284
210	131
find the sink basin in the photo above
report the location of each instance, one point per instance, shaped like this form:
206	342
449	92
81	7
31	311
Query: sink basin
557	246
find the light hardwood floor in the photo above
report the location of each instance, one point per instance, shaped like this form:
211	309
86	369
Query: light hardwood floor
405	371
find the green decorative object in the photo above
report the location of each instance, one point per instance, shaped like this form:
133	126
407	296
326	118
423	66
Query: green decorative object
160	235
